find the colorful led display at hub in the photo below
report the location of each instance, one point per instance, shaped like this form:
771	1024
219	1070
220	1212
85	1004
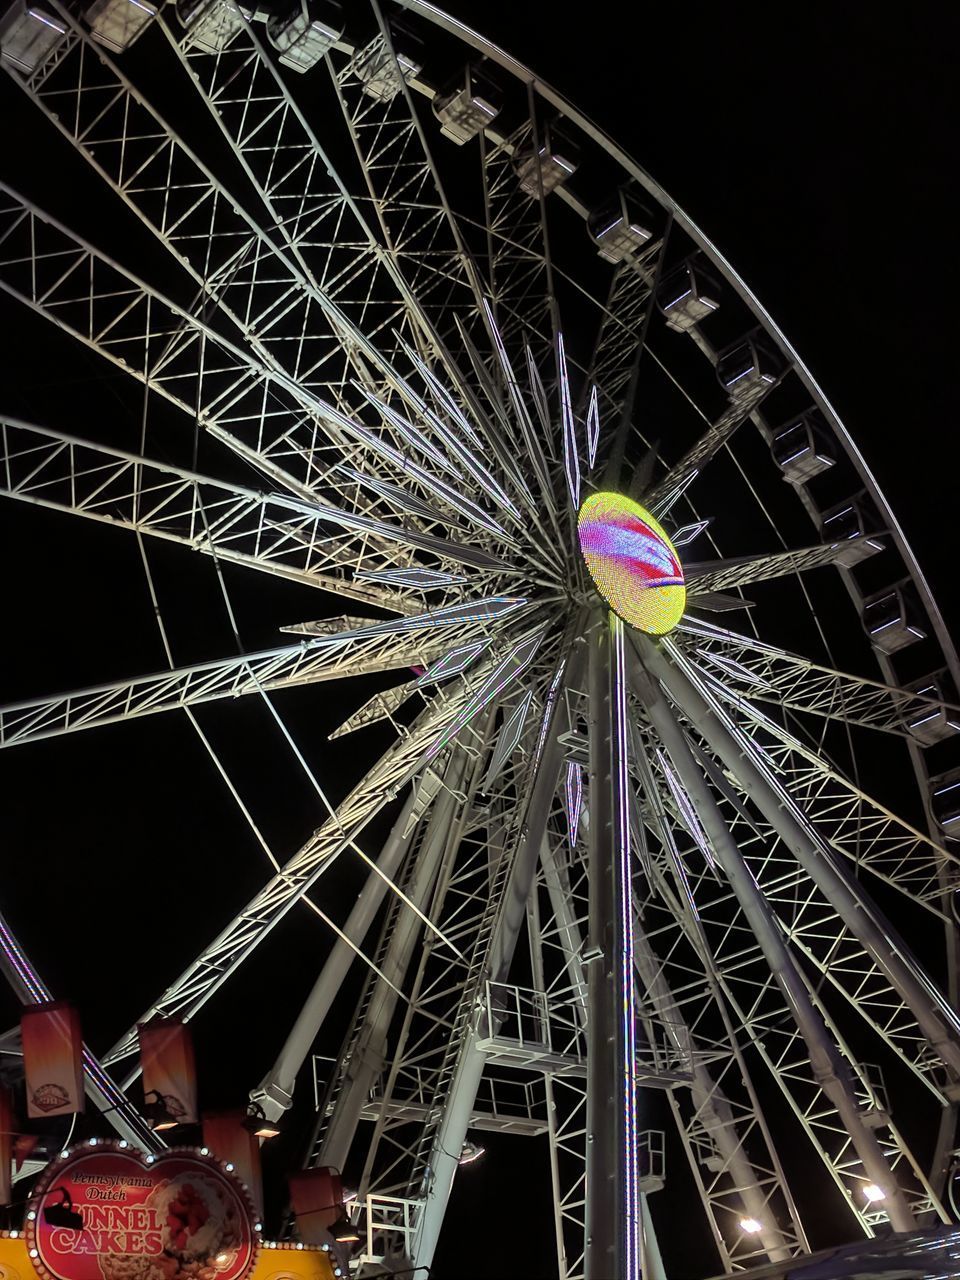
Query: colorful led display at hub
632	562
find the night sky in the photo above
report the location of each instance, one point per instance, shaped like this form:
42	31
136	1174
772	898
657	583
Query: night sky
815	146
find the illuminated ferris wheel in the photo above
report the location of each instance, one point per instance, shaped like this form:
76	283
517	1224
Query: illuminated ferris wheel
412	332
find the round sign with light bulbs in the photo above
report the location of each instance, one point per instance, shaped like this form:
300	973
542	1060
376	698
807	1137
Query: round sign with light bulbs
105	1211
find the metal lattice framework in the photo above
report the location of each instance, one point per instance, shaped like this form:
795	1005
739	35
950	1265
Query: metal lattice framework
625	878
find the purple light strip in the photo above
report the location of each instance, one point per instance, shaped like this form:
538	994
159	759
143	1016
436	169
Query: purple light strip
452	663
631	1189
29	979
571	459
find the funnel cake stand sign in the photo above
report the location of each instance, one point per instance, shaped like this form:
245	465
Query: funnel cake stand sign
109	1213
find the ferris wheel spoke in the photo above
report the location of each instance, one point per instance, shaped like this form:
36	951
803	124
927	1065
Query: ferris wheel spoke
355	651
449	1068
661	498
118	316
727	575
264	289
757	916
217	963
313	210
402	178
855	824
270	533
732	950
362	1060
812	926
737	752
764	672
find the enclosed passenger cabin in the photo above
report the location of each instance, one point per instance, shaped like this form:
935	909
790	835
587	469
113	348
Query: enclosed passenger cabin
621	227
945	802
750	366
548	166
466	107
856	520
116	24
652	1160
212	24
801	448
932	722
302	32
382	74
891	618
686	294
28	37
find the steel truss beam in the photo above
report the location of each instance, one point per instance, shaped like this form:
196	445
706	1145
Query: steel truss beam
762	672
239	939
856	825
831	1072
939	1023
309	543
428	1062
744	571
261	415
310	662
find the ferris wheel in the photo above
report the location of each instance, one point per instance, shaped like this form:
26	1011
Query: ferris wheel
670	713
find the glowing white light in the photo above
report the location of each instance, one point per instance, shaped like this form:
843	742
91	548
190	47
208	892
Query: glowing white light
571	459
751	1226
872	1193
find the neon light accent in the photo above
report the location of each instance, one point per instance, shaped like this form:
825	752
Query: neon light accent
548	711
425	579
593	426
512	665
631	1169
632	562
508	739
571	459
452	663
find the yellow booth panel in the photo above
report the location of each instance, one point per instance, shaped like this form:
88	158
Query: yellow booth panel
274	1262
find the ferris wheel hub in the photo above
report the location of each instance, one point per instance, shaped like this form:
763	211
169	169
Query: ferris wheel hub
632	562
